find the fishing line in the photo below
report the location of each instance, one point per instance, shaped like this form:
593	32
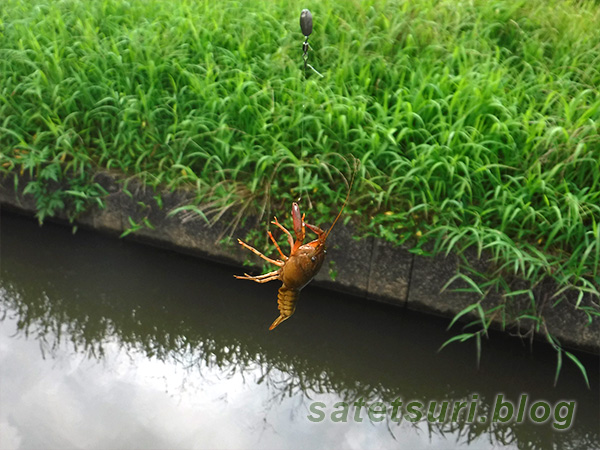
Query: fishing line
306	26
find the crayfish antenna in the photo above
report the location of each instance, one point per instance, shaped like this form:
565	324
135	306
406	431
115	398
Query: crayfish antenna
356	164
277	321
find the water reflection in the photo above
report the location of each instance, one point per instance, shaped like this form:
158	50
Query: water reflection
156	349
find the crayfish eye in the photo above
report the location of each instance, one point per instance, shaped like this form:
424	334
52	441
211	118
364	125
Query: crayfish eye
313	258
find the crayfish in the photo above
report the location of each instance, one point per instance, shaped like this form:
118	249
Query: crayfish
298	269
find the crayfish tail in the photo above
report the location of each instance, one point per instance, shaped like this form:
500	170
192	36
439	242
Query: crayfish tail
277	321
286	302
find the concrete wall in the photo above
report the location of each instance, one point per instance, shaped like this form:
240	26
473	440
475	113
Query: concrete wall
370	268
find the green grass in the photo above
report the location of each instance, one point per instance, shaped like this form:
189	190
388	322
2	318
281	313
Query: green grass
476	123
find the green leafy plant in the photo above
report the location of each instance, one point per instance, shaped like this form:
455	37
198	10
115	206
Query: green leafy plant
476	123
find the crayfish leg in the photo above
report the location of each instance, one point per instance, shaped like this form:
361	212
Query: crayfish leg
260	278
289	235
285	258
256	252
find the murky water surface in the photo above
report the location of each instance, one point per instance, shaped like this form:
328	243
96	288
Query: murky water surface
110	344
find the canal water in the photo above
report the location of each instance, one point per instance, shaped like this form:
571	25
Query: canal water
106	343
